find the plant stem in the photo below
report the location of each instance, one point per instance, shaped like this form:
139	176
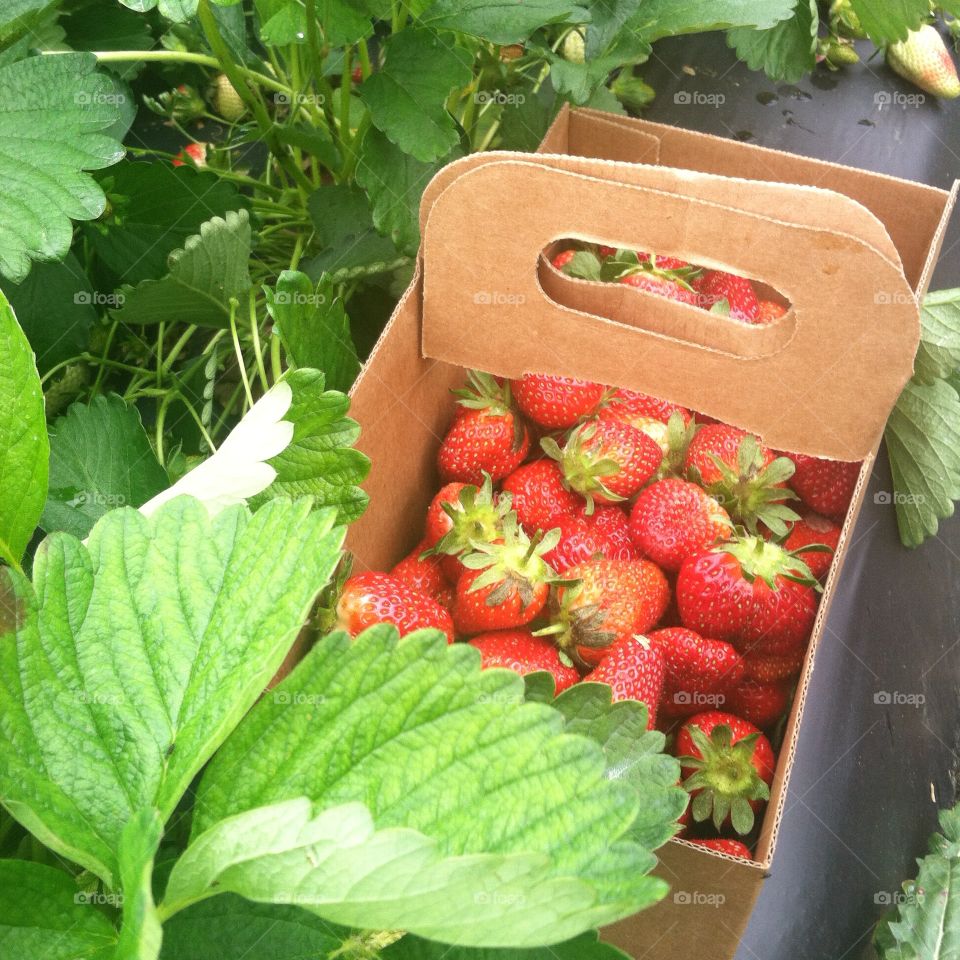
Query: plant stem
275	366
177	348
254	329
238	350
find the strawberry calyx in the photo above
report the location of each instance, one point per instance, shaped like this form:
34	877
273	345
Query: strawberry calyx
724	781
477	517
676	441
624	263
583	465
765	560
573	628
484	392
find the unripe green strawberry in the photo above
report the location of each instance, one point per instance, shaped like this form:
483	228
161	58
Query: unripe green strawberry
66	389
924	60
573	47
226	100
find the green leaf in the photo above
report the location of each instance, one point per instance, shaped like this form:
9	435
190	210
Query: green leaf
666	18
94	25
923	444
133	656
395	181
55	307
211	268
501	21
525	121
54	114
43	915
786	51
887	21
314	140
407	97
585	947
140	934
24	447
347	21
925	924
320	461
939	352
19	18
314	327
100	458
430	743
154	209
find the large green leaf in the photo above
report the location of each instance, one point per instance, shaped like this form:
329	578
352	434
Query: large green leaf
314	327
666	18
786	51
939	352
212	267
887	21
320	461
407	98
54	114
133	656
501	21
44	916
19	19
24	447
416	732
585	947
100	458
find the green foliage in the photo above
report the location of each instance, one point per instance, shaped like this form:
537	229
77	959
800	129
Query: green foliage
785	51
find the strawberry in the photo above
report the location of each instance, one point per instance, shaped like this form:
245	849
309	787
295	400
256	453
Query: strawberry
193	154
771	668
488	438
605	460
728	765
562	258
227	102
608	599
633	668
612	526
522	652
924	60
727	845
664	263
371	598
626	405
459	516
760	703
538	494
556	402
825	486
506	583
751	593
746	478
700	672
424	574
661	286
604	251
579	541
768	311
673	518
813	529
715	286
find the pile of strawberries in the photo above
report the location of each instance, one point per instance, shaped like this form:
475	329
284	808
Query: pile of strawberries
604	535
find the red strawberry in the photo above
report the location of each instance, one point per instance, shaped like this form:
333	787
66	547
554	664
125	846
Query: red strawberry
771	668
191	154
728	764
612	598
825	486
673	518
605	252
761	703
506	583
661	286
562	258
424	575
769	310
700	673
714	446
579	541
371	598
634	670
489	438
729	846
747	592
613	528
538	494
522	652
664	263
629	404
715	286
556	402
811	529
605	460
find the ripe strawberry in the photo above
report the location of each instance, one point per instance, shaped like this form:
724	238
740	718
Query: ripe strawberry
604	251
746	478
626	405
538	494
459	516
825	486
661	286
489	438
424	574
700	673
761	703
605	460
769	310
562	258
579	541
771	668
506	583
634	670
611	599
728	764
811	529
664	263
751	593
612	526
193	154
729	846
371	598
673	518
556	402
717	285
924	60
522	652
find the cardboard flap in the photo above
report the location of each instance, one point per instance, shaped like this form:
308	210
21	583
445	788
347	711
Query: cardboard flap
822	380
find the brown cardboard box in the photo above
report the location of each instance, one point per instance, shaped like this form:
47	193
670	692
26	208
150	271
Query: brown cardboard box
850	251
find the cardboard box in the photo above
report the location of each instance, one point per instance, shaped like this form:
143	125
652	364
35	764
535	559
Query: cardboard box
850	251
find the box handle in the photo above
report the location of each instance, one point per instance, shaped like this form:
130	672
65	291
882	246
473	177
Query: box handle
822	381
